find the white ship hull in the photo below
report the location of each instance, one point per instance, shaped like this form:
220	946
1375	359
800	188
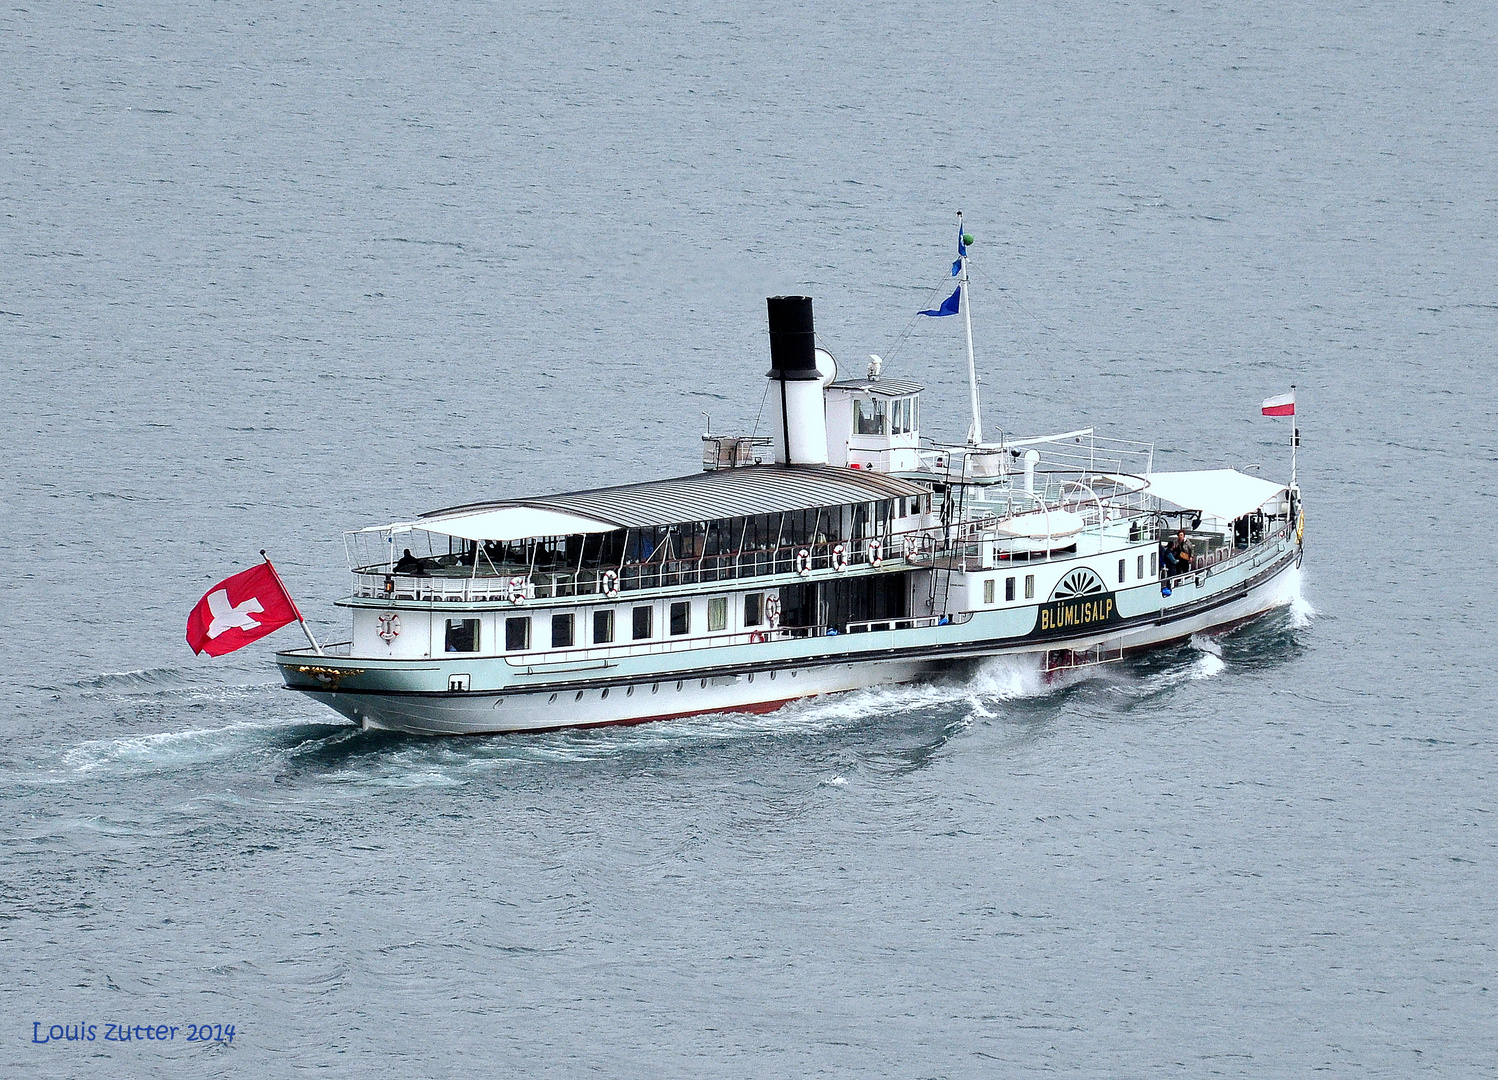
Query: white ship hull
769	687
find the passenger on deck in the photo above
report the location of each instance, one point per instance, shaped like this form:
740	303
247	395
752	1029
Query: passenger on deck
1178	555
409	564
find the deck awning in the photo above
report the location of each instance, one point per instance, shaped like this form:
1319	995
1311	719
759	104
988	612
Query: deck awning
505	523
704	496
1219	493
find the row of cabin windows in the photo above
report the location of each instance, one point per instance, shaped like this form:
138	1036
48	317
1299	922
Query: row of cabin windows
463	635
988	585
988	588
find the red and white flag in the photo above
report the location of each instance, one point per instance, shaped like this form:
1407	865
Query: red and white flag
239	610
1280	405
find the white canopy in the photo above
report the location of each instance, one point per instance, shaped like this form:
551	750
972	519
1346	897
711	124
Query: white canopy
1220	493
506	523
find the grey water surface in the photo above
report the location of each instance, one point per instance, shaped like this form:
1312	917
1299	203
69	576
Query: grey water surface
271	271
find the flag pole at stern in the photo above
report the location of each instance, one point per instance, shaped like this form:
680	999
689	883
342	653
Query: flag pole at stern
287	593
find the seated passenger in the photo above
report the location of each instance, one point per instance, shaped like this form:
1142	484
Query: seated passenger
1178	554
409	564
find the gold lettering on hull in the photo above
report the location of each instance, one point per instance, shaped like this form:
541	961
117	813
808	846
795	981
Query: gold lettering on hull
1067	614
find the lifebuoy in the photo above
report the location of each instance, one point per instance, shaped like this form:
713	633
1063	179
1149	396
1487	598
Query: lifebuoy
611	583
876	553
759	637
839	558
803	562
909	546
390	626
772	610
517	590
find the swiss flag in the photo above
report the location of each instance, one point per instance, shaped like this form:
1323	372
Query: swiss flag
239	610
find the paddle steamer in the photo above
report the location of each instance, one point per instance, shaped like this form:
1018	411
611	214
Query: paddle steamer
845	550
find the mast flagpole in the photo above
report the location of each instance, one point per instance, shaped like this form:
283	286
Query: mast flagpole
975	433
1294	436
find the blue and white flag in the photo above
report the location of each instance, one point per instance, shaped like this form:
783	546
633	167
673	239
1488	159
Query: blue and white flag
948	306
957	268
961	247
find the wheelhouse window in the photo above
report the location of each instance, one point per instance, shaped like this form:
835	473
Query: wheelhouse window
681	617
561	631
988	591
643	623
870	417
462	635
717	613
902	416
1008	588
603	626
1139	569
1029	586
754	609
1121	564
518	634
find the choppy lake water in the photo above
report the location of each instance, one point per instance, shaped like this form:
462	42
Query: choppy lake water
269	273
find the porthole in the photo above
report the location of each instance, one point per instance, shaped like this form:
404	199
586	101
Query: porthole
702	684
751	676
655	688
629	692
678	684
579	696
604	694
551	700
772	675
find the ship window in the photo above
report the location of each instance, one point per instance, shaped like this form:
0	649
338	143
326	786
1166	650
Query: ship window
904	416
871	417
1029	586
462	635
1139	569
1008	588
642	618
1121	564
603	627
518	634
754	609
988	591
561	631
681	617
1154	570
717	613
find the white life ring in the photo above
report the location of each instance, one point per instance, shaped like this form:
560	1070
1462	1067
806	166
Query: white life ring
909	545
390	626
758	637
803	562
839	558
611	583
772	610
876	553
517	590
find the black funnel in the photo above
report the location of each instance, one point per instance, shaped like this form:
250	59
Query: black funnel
793	347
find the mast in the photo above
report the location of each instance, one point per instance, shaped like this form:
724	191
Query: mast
1294	436
975	433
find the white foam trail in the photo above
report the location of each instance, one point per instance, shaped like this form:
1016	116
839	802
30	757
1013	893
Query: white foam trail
172	749
1210	662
